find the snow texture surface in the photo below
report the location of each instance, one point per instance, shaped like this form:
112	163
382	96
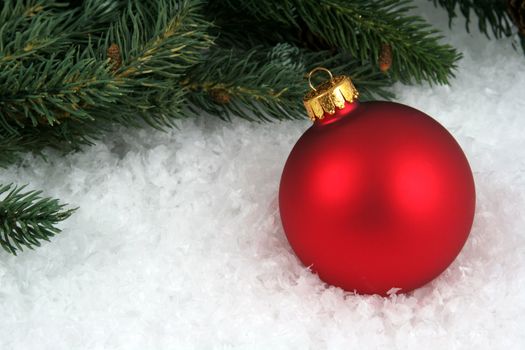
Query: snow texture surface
178	243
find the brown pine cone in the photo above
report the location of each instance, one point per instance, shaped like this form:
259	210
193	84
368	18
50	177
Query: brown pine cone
114	56
385	58
220	96
516	9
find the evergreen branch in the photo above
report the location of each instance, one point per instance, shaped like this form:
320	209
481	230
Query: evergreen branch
47	92
284	12
491	14
28	28
250	84
82	89
261	84
68	136
417	54
12	147
260	32
37	28
26	218
165	48
156	55
92	19
361	27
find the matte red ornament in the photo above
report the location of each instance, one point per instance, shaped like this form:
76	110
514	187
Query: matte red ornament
377	196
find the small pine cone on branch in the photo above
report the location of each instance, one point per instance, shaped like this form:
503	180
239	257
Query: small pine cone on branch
385	58
115	59
220	96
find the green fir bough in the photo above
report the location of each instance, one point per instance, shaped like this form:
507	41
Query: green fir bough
27	218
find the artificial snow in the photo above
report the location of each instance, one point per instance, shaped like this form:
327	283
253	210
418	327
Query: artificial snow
178	243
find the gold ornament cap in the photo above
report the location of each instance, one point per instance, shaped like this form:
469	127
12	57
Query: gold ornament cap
328	95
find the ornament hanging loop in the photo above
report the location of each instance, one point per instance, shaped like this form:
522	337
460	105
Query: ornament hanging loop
328	95
317	69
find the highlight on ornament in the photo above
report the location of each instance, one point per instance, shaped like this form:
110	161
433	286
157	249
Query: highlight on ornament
376	196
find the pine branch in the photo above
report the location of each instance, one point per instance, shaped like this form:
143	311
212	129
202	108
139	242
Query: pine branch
156	54
238	30
361	27
284	12
47	92
268	83
68	136
491	14
92	19
26	218
33	29
12	147
75	96
417	54
10	150
27	29
238	83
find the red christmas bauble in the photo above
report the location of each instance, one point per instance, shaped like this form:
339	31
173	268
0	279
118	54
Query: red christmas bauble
377	196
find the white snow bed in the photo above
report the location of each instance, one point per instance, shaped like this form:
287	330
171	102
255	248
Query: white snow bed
178	243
